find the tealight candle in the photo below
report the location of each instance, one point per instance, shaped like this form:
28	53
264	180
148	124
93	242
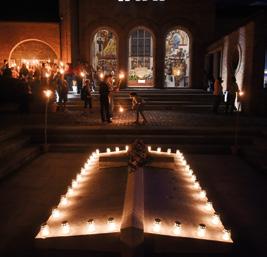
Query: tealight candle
157	225
201	230
91	226
177	228
65	227
44	230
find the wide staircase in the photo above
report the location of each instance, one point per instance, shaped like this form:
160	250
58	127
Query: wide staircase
187	100
16	150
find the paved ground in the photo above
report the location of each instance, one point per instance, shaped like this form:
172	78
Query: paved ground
236	191
156	119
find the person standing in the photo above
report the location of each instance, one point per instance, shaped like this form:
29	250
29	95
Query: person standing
138	106
231	96
104	99
62	90
86	95
217	94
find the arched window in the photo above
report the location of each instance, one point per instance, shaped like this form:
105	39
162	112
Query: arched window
31	51
104	55
177	59
141	58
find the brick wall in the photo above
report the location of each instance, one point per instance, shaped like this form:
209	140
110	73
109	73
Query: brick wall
12	33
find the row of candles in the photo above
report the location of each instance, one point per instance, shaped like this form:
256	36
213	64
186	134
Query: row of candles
208	207
111	223
64	200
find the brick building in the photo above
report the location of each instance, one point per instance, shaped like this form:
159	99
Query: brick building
157	44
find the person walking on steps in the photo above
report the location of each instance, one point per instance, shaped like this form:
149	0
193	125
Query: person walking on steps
138	106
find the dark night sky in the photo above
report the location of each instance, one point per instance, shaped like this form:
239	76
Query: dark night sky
35	10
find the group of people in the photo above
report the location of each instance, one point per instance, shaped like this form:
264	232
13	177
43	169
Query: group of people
106	91
229	96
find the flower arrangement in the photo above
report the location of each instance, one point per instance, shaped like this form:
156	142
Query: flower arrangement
137	156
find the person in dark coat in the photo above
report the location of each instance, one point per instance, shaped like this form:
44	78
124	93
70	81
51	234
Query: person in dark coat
231	96
104	99
86	95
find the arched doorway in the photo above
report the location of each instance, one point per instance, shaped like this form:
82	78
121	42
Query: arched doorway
141	58
104	51
32	52
177	59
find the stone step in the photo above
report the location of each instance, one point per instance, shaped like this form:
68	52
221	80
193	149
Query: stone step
18	159
185	148
136	131
160	139
8	134
11	146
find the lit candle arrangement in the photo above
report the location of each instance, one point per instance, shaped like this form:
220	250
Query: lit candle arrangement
110	225
201	231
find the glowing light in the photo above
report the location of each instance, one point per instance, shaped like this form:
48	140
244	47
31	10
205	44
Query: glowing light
84	172
126	148
187	167
149	148
177	228
79	178
101	75
97	151
178	152
201	230
169	151
117	149
241	93
159	150
63	200
108	150
197	185
82	74
121	76
74	183
47	75
44	230
202	194
61	64
193	178
157	225
65	226
70	192
184	163
190	172
215	219
48	93
111	224
61	71
226	235
209	206
121	109
55	213
91	226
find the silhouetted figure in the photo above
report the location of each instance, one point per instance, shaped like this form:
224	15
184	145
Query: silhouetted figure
138	105
104	100
86	94
231	96
217	94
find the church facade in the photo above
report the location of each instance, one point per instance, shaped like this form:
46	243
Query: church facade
164	44
156	43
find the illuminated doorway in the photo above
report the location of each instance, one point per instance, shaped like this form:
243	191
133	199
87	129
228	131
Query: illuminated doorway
177	59
32	52
104	53
141	59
